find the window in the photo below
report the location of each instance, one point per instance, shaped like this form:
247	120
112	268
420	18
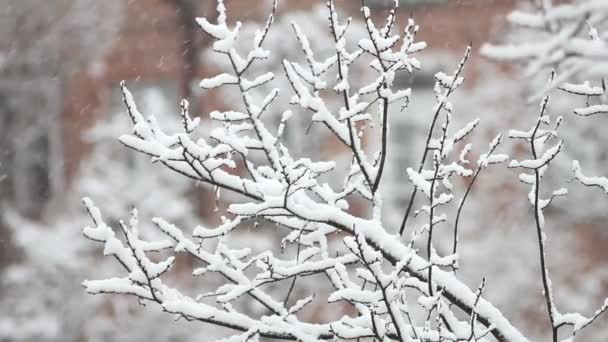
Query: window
408	130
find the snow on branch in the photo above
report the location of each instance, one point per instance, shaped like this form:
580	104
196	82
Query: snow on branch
384	280
601	182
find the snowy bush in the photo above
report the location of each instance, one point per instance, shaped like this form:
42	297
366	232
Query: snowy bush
395	281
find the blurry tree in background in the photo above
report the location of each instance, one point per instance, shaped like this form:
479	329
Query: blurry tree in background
568	37
42	43
571	39
186	11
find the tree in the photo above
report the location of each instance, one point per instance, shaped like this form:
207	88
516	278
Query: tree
399	285
40	47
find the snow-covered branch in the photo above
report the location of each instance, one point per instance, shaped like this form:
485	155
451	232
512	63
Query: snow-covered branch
393	291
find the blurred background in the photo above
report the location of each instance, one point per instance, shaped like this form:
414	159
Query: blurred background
61	112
